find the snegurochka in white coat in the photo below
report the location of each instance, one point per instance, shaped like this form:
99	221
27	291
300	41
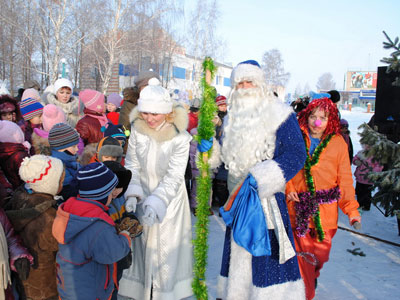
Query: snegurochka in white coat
157	155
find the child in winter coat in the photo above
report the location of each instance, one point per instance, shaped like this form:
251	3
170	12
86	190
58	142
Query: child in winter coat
89	127
13	149
363	184
60	94
63	140
51	115
89	244
113	107
107	149
9	109
31	110
35	205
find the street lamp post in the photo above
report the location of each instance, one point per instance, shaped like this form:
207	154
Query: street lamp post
64	62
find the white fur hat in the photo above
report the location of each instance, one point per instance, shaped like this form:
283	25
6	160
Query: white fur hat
42	173
248	70
62	82
154	99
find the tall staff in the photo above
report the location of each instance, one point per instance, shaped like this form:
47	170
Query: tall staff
206	131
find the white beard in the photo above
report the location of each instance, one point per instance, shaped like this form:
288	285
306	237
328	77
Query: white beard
247	138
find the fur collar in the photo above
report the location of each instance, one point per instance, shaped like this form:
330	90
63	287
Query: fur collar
69	108
178	125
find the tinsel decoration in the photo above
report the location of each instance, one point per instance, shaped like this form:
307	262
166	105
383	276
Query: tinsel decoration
312	161
308	207
206	130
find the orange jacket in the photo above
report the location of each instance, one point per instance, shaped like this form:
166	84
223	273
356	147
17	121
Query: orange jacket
333	169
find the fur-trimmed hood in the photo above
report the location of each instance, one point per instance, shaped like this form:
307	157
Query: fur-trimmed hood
179	124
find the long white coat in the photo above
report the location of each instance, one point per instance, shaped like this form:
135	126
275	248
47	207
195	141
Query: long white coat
162	255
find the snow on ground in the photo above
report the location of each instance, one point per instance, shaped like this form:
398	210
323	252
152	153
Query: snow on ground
345	276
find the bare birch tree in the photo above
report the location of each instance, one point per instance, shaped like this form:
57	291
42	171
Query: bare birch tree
204	40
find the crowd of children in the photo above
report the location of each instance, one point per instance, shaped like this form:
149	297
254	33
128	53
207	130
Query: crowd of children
62	210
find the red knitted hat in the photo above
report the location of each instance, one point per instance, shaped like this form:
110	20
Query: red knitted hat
220	100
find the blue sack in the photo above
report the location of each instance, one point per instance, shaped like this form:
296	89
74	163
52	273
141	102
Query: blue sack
247	220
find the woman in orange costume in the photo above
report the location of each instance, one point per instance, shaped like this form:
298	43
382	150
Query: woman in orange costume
315	193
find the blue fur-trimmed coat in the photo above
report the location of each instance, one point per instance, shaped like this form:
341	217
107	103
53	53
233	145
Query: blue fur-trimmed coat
244	276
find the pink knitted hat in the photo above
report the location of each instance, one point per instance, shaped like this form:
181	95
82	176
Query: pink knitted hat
52	115
10	132
31	93
92	100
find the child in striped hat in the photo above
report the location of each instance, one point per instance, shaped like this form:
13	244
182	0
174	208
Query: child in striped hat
63	141
31	110
88	240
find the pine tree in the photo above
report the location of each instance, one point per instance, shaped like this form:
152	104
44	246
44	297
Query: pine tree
393	61
387	181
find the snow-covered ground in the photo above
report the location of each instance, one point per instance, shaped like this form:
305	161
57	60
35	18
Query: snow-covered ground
346	276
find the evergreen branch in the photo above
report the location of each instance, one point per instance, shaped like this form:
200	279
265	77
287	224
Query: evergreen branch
393	62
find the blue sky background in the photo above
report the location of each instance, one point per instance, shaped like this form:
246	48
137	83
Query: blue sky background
314	37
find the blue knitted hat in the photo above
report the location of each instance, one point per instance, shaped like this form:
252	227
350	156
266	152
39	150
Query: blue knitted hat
96	182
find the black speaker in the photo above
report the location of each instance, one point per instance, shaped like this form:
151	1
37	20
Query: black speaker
387	105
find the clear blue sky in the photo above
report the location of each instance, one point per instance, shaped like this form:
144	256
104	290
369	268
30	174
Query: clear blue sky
314	37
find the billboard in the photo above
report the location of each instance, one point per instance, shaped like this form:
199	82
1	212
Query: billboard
361	80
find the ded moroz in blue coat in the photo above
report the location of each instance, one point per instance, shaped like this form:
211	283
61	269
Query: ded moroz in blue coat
277	276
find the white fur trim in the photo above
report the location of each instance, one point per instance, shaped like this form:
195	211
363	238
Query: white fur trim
246	72
291	290
134	190
179	124
158	205
240	273
269	177
239	283
222	286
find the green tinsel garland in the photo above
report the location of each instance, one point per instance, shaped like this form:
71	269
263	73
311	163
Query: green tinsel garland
312	161
206	130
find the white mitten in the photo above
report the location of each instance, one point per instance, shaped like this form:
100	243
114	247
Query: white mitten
130	204
149	216
157	205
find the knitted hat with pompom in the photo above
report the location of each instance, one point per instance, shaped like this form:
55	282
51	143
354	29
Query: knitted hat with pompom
52	115
42	173
154	99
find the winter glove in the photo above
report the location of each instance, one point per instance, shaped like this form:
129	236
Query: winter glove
356	223
149	216
130	204
22	266
131	225
205	145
